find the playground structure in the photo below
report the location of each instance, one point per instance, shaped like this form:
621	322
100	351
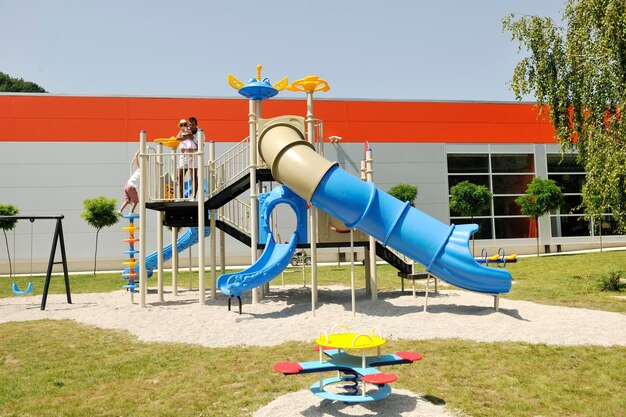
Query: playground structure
289	150
354	372
57	241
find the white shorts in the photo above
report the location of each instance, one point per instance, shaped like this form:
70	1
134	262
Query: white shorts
187	161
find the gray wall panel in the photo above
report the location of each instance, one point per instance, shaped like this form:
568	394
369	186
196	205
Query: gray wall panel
55	178
410	153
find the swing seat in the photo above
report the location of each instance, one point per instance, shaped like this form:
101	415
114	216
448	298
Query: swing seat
17	291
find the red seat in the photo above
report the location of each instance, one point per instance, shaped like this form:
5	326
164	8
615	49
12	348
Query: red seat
318	347
288	368
380	378
410	356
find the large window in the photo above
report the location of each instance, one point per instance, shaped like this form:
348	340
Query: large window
506	175
570	176
567	221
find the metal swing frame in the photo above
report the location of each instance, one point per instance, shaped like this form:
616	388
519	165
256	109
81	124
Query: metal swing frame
56	240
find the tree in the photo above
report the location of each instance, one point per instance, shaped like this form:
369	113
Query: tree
542	196
99	212
578	75
404	192
9	84
8	224
593	207
469	199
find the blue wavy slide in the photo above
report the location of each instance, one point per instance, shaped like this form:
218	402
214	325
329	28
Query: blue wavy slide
443	249
272	262
276	256
184	241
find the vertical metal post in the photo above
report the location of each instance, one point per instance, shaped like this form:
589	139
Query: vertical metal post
254	209
143	194
66	278
158	180
369	172
313	212
201	217
222	252
160	215
366	252
353	291
175	260
158	172
212	223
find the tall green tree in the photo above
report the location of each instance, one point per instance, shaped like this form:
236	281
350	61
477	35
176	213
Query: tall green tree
469	199
8	224
404	192
577	72
99	213
9	84
542	196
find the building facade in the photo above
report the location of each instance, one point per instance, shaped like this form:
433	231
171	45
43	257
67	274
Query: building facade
57	151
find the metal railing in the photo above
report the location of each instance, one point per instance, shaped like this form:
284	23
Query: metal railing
231	166
167	182
236	213
400	255
318	136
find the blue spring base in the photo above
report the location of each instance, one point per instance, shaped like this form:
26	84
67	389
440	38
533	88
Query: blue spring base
383	391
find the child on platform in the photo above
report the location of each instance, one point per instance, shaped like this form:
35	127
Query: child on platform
186	164
130	189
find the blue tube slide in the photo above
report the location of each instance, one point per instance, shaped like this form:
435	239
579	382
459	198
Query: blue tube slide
443	249
184	241
276	256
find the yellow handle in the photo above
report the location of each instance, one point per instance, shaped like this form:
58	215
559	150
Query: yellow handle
234	82
309	84
281	84
170	142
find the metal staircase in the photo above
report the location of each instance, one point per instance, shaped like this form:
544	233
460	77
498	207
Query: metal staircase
395	259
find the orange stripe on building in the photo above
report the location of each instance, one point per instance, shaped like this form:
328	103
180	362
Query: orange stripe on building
49	118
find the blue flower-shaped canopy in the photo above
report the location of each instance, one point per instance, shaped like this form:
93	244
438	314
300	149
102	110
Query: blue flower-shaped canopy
257	88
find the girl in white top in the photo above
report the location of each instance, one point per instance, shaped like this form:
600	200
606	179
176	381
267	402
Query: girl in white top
186	163
130	189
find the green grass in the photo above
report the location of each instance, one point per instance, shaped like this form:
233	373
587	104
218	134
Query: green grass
56	368
565	280
568	280
62	368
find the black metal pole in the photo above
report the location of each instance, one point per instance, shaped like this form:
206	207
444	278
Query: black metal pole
46	285
64	262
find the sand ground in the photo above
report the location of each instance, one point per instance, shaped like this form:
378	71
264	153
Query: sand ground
285	315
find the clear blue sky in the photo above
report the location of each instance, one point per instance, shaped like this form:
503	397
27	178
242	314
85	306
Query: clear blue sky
395	49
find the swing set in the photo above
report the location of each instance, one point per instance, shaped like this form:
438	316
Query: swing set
56	240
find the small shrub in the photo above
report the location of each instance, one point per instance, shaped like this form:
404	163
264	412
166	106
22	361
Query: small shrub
8	224
404	192
99	212
611	282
